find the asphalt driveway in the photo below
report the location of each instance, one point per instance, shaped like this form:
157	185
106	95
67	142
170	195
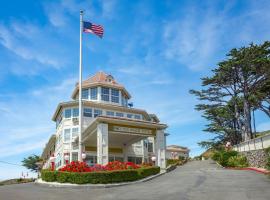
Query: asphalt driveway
202	180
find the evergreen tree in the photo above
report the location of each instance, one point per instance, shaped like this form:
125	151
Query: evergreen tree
239	84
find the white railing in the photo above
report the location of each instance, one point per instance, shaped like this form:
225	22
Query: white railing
253	144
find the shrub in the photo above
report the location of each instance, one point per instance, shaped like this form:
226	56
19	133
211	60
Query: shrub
216	156
144	172
95	177
237	161
48	175
222	157
172	162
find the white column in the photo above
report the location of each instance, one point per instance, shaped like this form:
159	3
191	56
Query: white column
102	144
120	98
99	93
160	149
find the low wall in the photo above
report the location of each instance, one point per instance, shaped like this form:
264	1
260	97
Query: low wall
256	158
254	144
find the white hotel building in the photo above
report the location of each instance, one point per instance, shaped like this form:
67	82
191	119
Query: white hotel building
112	130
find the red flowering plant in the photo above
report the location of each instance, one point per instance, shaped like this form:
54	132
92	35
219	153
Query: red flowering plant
76	166
117	165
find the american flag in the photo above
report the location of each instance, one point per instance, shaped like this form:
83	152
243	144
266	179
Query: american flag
88	27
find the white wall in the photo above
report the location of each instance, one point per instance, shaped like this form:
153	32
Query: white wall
254	144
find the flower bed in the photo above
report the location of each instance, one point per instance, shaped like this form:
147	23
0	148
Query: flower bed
111	166
113	172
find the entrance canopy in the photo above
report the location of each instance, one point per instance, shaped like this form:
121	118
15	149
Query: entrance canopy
121	131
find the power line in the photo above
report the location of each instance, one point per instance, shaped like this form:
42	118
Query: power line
10	163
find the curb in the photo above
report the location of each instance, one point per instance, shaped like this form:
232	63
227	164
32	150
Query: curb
59	185
262	171
259	170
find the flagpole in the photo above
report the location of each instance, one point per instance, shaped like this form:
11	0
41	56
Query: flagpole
80	90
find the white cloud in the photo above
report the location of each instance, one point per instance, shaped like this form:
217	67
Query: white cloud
32	44
193	41
108	8
20	148
27	118
202	37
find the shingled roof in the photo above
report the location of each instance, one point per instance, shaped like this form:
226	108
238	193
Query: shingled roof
100	78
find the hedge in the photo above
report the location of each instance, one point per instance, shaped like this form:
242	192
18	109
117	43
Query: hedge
98	177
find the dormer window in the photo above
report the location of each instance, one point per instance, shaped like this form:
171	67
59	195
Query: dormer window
109	78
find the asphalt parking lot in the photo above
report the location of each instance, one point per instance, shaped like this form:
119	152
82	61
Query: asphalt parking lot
202	180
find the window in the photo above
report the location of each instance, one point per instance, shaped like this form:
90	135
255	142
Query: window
85	93
75	112
59	119
67	113
124	101
75	146
150	147
105	94
110	113
115	95
129	115
87	112
145	142
119	114
137	116
93	93
97	112
74	156
136	160
66	135
91	160
75	132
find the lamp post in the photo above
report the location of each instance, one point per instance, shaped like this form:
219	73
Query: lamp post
83	156
153	158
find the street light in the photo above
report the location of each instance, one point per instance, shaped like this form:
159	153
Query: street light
83	156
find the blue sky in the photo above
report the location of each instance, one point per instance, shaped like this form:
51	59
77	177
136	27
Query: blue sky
157	49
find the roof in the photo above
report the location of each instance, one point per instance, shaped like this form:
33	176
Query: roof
177	148
49	146
100	79
124	122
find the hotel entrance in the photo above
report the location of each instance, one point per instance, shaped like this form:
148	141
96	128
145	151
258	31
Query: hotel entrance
109	139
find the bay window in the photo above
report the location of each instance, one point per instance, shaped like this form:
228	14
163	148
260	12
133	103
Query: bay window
115	95
87	112
67	135
97	112
105	94
85	94
93	93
